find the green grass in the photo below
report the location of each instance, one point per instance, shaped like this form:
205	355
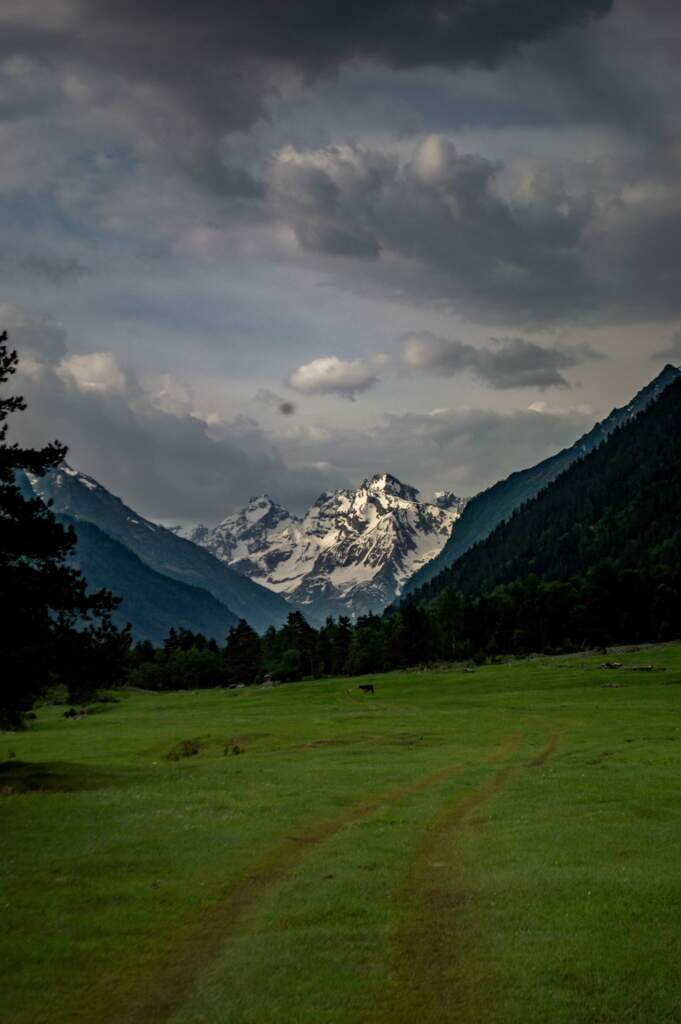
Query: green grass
499	847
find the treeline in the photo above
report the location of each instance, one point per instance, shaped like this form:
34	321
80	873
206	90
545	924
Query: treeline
295	651
608	605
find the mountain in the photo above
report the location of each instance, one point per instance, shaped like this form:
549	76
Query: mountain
152	602
83	499
619	504
349	554
493	506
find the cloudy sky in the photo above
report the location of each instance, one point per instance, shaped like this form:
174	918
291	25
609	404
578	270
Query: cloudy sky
281	246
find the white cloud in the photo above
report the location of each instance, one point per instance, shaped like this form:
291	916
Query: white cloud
544	409
93	371
333	376
173	397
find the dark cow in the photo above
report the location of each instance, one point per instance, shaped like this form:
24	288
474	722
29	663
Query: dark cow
366	688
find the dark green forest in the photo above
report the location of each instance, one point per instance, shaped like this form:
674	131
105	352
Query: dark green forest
619	503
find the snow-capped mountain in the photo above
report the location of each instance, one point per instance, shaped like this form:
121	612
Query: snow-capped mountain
350	553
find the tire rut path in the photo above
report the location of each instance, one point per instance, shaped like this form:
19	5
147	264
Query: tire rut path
429	985
162	993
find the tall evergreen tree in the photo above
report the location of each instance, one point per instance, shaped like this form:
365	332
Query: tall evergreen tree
341	645
243	660
52	630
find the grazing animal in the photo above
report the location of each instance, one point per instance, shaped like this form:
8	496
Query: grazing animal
366	688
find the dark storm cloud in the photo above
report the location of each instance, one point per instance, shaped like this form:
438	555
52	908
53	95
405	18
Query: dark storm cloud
439	227
441	212
317	35
217	57
508	363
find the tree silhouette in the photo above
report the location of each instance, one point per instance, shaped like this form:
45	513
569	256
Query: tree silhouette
53	631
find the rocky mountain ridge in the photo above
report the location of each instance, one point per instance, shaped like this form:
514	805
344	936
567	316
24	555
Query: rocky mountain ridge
350	553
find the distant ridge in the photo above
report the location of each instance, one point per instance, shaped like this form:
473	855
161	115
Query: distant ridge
488	509
81	497
152	603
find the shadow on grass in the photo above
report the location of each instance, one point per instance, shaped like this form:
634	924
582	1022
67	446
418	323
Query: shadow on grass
53	777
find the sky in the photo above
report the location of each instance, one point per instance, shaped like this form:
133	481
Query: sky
280	247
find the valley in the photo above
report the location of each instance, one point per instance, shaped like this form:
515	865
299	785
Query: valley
489	846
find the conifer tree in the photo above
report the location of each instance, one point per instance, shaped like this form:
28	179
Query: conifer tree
243	660
51	630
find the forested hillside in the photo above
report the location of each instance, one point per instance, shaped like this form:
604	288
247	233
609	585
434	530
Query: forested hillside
487	510
621	502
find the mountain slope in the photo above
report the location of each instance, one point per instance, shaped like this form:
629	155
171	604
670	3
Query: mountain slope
152	602
621	502
79	496
493	506
350	553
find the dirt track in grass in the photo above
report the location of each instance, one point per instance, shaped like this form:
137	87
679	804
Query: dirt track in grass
160	994
546	753
428	983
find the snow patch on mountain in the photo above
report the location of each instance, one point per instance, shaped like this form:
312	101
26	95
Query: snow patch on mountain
351	552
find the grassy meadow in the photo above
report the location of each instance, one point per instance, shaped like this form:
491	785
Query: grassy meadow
497	847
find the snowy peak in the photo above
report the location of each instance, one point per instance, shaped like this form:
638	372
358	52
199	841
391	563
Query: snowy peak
385	483
350	552
65	473
260	512
241	535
